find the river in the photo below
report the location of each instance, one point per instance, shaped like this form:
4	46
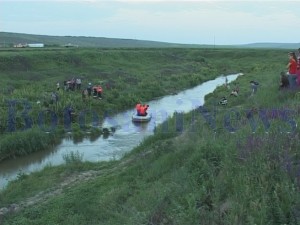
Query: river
127	135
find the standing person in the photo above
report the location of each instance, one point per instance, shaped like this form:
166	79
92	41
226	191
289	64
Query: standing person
254	86
65	85
89	89
69	84
292	69
57	86
226	82
54	97
84	94
73	83
298	68
70	113
78	83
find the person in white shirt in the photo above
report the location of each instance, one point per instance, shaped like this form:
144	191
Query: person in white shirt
78	83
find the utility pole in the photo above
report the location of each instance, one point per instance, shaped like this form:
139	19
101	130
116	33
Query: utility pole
214	41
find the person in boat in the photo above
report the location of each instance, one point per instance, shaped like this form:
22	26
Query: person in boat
143	110
138	109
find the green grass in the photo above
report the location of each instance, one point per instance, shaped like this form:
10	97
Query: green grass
127	75
192	177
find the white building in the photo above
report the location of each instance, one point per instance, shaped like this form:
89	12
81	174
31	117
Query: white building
36	45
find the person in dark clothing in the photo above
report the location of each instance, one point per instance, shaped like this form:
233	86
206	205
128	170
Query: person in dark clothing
284	81
65	85
70	110
71	113
89	89
69	84
69	117
95	93
73	84
254	86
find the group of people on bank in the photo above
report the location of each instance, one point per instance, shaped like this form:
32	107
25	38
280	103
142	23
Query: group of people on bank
71	85
76	84
95	90
292	78
289	79
235	91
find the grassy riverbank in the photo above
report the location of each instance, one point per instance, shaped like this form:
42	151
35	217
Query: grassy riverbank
127	76
194	175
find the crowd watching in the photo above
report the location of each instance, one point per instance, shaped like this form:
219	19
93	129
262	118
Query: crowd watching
291	79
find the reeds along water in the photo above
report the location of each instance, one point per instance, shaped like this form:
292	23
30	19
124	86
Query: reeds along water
23	143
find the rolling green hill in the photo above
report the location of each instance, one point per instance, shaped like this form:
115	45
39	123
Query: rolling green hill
8	39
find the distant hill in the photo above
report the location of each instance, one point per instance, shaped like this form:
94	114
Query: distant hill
271	45
8	39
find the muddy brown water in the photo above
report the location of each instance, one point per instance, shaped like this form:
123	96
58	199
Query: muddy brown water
127	135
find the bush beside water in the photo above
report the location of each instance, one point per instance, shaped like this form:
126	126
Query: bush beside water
26	142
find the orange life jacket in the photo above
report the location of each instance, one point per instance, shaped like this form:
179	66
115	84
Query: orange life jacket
142	111
138	106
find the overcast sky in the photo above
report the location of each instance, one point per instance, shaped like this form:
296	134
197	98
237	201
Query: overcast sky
191	22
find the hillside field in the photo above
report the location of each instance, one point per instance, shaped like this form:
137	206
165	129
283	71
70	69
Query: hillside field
234	164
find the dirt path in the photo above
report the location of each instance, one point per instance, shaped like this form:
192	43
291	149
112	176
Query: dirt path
43	196
68	183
